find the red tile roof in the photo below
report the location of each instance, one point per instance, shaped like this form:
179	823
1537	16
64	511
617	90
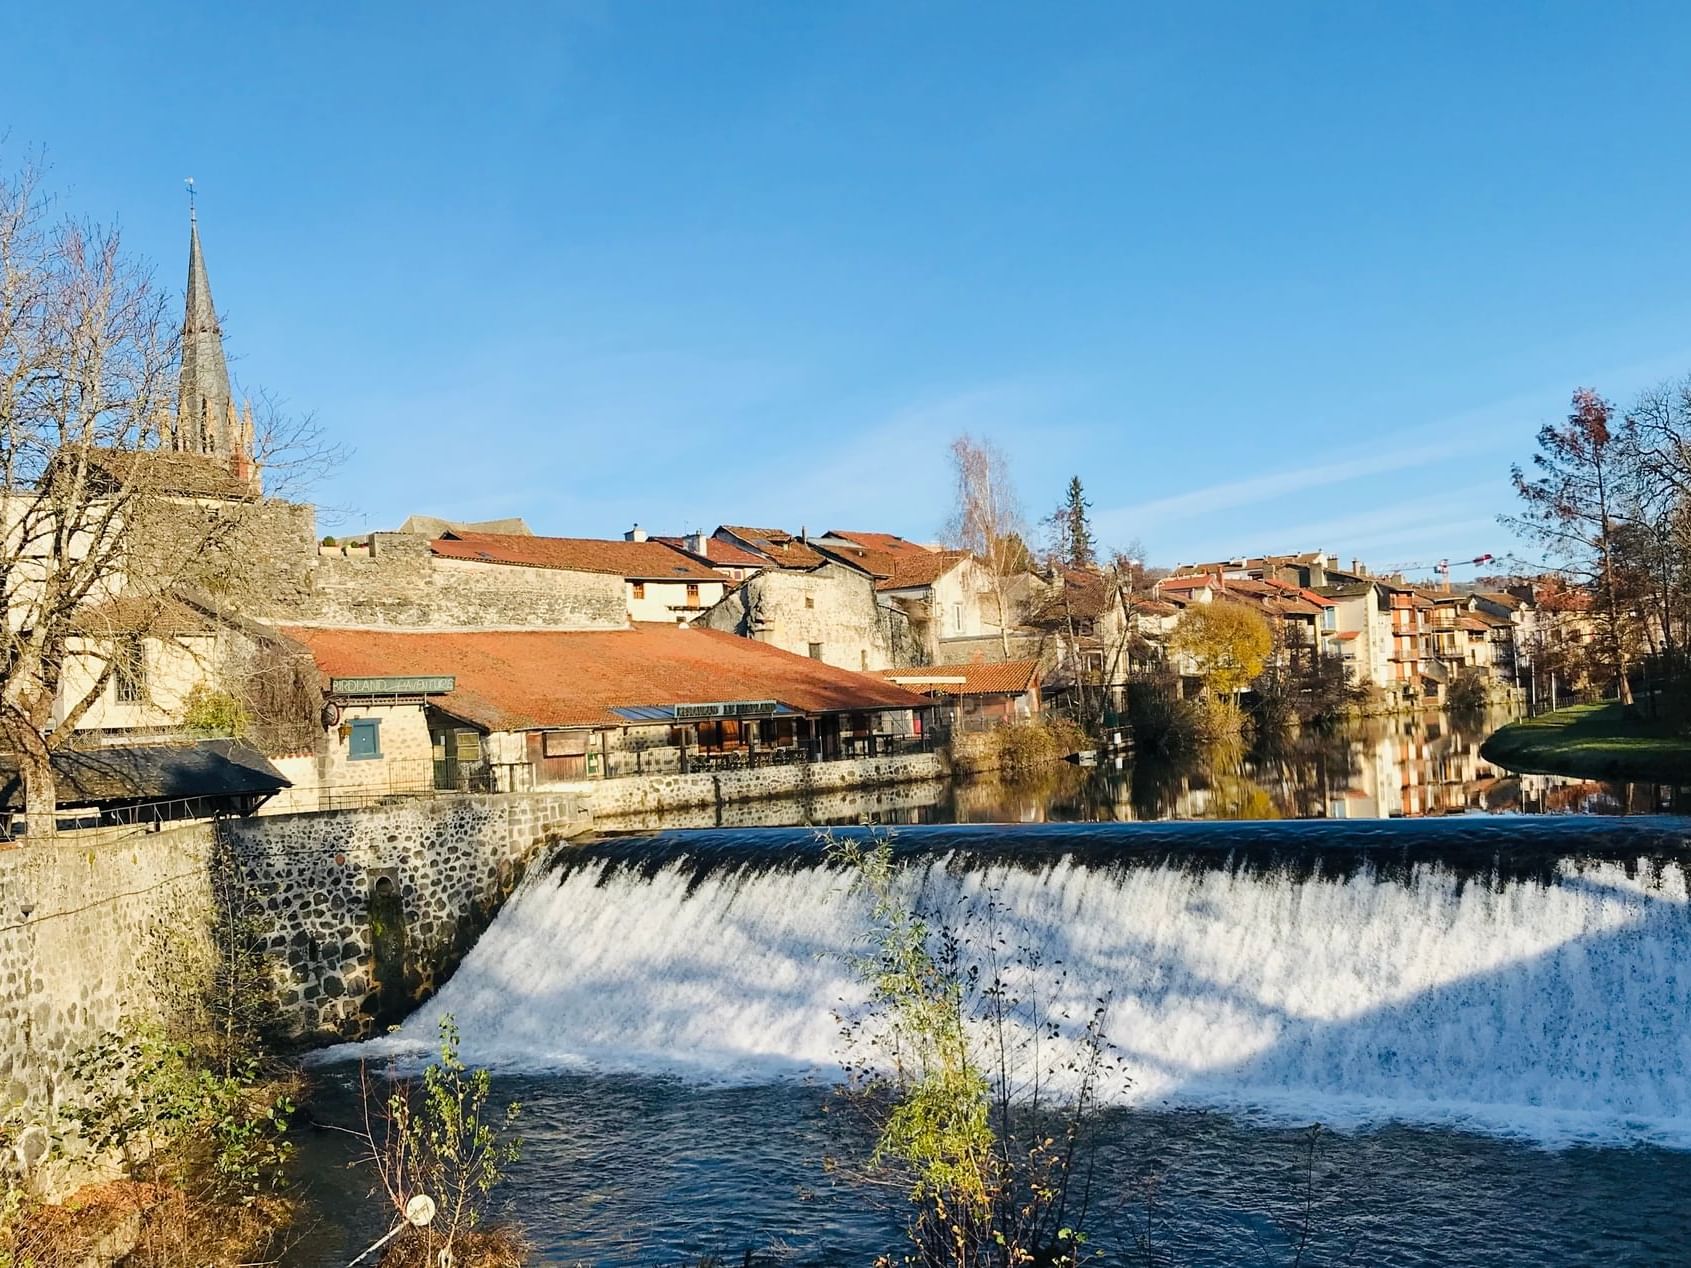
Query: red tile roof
781	546
976	678
530	679
1189	583
882	543
720	553
913	571
639	561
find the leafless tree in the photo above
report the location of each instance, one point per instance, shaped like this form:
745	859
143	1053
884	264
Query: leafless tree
986	519
103	528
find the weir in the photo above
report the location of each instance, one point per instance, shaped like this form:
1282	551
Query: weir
1529	977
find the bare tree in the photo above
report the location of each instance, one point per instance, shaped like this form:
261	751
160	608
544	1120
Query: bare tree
986	519
104	528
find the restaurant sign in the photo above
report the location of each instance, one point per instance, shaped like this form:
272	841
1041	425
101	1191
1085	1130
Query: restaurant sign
414	686
726	709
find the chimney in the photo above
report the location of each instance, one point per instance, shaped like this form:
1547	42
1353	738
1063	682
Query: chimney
635	534
695	541
1357	568
804	534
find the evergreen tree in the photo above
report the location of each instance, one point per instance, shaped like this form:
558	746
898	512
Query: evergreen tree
1077	531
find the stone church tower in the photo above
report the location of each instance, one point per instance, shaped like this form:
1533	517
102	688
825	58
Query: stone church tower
207	421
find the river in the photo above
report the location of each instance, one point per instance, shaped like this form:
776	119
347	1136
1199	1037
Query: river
1486	1012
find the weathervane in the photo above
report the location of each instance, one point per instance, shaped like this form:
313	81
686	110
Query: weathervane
189	182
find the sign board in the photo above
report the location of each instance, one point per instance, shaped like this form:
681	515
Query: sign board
416	686
726	709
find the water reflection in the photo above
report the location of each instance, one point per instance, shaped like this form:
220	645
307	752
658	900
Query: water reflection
1428	764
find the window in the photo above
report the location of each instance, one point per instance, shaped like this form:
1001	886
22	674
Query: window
129	676
1329	618
863	659
816	651
364	740
692	594
639	589
809	600
956	618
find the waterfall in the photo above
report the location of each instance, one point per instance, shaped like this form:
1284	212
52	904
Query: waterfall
1531	977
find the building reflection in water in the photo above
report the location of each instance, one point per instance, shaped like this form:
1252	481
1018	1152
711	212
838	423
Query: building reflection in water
1381	768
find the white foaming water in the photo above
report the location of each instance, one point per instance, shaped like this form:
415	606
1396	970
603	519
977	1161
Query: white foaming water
1555	1011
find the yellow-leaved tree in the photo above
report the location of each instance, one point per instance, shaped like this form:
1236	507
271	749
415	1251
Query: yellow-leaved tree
1226	642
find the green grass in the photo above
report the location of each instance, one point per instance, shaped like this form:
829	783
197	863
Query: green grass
1592	741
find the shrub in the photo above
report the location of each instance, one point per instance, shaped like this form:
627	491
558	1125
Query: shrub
439	1137
151	1097
1468	692
212	712
1159	720
969	1122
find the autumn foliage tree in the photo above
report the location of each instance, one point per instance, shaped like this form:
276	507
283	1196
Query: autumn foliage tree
1575	503
1227	642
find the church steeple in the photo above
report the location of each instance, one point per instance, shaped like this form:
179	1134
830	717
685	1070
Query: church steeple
207	421
204	406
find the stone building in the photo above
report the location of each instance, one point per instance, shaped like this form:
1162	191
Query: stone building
829	612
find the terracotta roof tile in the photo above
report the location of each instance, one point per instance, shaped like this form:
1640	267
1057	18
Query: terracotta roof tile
913	571
720	553
781	546
882	543
641	561
976	678
529	679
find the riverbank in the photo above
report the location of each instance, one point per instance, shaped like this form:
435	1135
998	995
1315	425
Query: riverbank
1593	741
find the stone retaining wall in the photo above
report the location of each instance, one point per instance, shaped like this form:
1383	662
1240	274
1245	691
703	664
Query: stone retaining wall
651	794
364	911
368	909
78	924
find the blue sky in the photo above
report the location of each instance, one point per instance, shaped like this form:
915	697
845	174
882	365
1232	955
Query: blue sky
1267	276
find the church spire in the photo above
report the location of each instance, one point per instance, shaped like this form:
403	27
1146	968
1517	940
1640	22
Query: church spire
205	409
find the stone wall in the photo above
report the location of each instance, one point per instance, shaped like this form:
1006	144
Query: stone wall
79	925
884	803
650	794
832	607
400	582
365	912
369	909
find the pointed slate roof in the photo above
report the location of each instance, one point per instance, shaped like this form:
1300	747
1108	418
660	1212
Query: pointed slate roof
203	397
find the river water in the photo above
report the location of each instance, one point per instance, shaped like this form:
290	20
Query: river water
1488	1015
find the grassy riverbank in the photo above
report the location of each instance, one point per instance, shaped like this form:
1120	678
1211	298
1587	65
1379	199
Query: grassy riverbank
1593	741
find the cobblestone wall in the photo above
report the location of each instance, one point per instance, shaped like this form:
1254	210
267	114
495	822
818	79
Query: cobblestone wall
368	909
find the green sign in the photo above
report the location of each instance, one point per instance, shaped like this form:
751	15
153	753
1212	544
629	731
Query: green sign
419	686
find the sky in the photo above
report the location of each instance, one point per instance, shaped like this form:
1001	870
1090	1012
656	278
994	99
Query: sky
1268	277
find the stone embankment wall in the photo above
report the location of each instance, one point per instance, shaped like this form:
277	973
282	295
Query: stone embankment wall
651	794
361	911
366	910
81	926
